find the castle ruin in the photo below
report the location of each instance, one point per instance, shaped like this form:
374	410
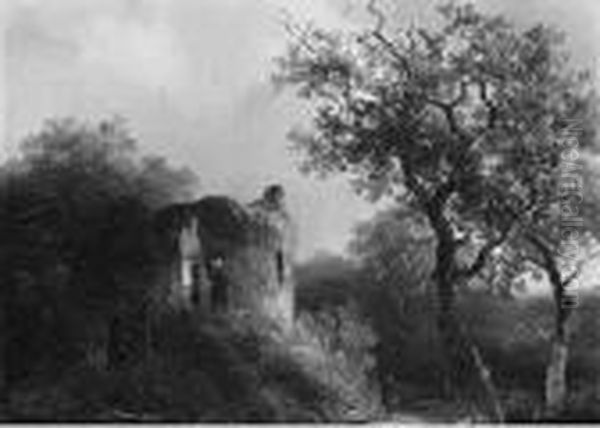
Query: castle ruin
221	256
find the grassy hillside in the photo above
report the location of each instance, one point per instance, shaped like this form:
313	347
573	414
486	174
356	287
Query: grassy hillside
210	370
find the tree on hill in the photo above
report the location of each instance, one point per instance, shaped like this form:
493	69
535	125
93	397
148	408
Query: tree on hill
458	122
77	243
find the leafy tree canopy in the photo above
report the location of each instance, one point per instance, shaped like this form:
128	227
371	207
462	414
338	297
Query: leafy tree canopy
462	121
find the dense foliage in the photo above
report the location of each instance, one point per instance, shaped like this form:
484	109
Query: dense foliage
77	246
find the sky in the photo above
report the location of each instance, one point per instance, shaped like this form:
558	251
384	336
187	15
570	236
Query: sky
192	77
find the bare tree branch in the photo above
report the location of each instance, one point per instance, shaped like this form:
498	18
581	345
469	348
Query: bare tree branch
378	14
377	32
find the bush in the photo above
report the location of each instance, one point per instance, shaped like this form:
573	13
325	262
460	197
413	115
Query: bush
336	347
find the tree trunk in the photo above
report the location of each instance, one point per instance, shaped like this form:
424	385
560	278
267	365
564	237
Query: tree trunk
445	316
556	378
556	371
447	322
464	365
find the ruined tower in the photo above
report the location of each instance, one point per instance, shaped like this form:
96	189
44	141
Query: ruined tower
221	256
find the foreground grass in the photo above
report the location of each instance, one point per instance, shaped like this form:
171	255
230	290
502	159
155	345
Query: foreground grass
205	371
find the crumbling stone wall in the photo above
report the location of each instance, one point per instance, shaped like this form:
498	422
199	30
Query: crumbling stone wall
221	256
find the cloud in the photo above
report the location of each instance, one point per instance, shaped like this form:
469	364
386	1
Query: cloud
131	40
146	52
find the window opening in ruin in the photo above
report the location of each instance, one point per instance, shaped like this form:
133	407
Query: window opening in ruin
280	266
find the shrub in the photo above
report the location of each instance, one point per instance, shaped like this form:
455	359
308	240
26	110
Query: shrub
336	347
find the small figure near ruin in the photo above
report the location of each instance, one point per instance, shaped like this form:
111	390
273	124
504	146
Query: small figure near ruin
219	284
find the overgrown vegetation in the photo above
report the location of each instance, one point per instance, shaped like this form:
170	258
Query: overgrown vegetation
513	334
87	334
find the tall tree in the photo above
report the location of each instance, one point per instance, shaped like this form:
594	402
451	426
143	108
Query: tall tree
458	121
